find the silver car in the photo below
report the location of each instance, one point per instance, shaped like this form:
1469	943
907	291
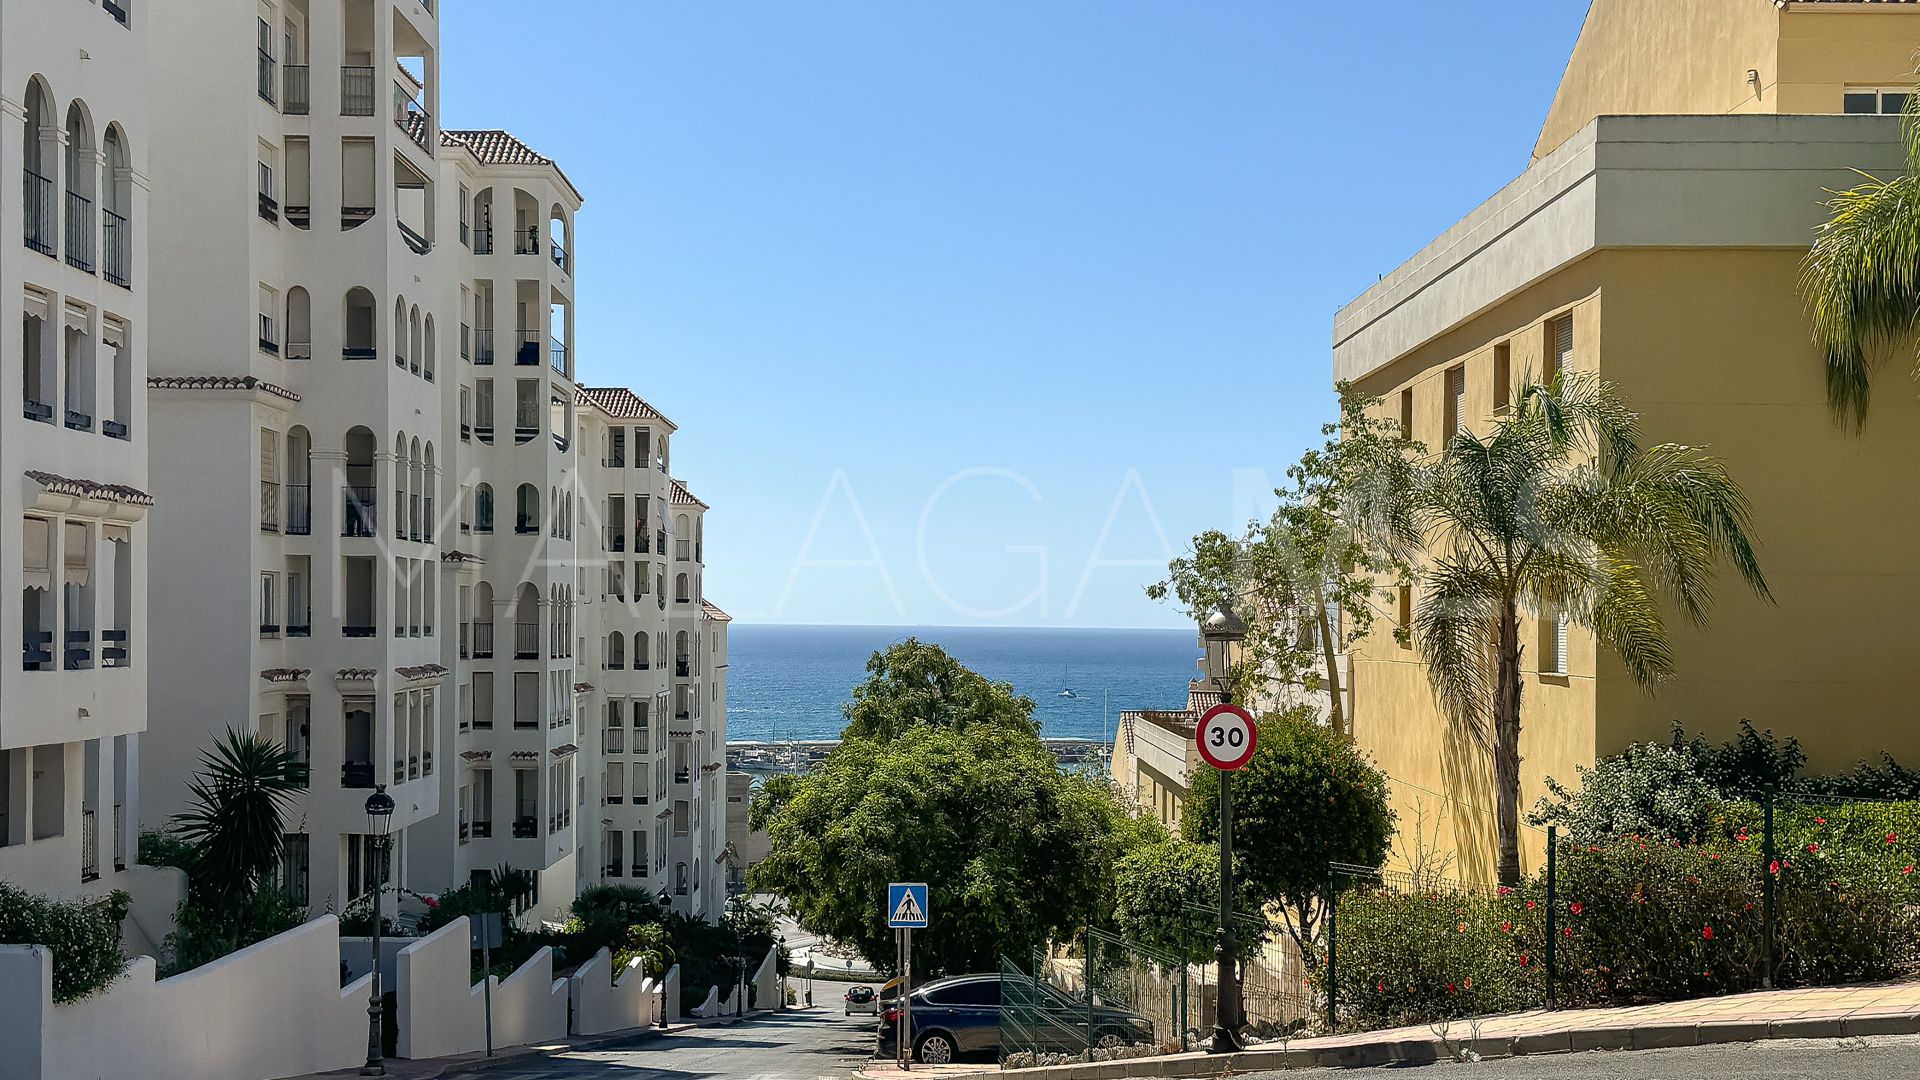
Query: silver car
862	999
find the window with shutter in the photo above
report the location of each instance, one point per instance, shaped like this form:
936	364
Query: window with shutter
1502	377
1560	347
1456	400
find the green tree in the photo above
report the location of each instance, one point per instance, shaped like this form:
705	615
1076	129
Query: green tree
1163	893
1558	512
1013	851
916	683
1862	277
234	824
1307	798
1305	579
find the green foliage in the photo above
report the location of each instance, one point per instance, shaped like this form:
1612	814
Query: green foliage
1159	887
913	683
952	787
1310	560
234	823
160	847
1650	790
651	943
205	932
1306	799
606	912
83	935
1559	509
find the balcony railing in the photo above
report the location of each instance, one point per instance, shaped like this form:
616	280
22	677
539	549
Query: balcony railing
299	510
413	118
526	827
526	526
89	845
119	13
526	641
79	651
557	355
79	231
38	225
483	240
294	81
527	353
482	345
357	630
483	641
113	649
116	260
116	429
616	538
37	649
359	352
269	208
560	257
682	667
79	421
482	830
526	241
356	91
357	516
356	774
269	506
416	243
300	216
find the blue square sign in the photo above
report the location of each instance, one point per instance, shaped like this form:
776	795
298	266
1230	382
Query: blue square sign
907	905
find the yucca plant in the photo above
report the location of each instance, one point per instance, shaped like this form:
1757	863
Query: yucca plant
234	825
1862	276
1558	509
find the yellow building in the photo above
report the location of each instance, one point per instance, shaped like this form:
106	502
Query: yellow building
1663	251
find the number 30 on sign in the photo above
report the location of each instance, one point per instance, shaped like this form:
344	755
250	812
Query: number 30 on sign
1225	736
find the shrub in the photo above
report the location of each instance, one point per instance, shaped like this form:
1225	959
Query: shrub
1650	790
206	930
603	916
159	847
83	935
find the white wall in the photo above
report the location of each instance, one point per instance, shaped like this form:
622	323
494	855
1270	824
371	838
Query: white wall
441	1012
668	1010
602	1004
766	982
271	1010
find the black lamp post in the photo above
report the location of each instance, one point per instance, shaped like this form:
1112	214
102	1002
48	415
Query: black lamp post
1224	636
379	823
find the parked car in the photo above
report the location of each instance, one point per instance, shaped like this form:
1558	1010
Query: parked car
959	1017
862	999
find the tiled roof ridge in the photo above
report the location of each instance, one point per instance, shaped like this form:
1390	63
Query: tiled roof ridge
82	488
219	382
684	496
621	403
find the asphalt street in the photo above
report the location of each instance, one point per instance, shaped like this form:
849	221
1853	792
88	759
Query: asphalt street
815	1045
1881	1058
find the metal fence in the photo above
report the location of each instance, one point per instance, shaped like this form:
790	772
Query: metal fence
1112	994
1784	890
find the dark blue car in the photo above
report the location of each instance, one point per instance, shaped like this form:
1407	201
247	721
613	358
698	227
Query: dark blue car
959	1017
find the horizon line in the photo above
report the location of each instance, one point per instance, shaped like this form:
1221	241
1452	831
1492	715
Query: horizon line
950	626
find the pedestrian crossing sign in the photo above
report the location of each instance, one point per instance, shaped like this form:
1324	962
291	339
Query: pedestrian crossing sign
907	905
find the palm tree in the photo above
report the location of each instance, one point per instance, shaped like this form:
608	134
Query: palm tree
234	824
1862	277
1558	510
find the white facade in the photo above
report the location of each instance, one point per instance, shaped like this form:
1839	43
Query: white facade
382	540
73	439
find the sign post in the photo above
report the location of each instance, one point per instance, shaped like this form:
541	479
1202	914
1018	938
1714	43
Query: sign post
1225	738
906	912
485	928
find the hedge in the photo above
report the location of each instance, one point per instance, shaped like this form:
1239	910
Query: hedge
84	936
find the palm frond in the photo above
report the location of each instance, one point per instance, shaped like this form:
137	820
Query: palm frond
1625	617
1450	628
1862	283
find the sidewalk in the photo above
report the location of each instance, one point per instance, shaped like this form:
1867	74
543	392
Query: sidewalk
1834	1012
479	1062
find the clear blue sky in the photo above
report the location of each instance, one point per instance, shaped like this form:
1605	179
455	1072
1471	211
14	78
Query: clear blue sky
1039	281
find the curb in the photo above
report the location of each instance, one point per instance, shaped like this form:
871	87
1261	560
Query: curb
1429	1051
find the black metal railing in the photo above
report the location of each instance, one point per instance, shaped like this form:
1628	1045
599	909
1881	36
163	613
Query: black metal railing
119	13
37	649
356	91
357	516
116	429
89	845
79	650
483	641
526	241
416	243
682	667
483	240
412	118
482	830
526	827
356	774
527	353
359	352
299	215
299	510
294	82
116	258
79	421
269	629
113	649
557	355
616	538
79	231
269	208
269	506
357	630
304	628
526	641
352	217
37	223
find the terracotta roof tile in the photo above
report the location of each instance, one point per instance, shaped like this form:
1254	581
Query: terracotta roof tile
525	755
621	403
477	755
494	146
89	489
356	674
285	674
583	688
421	671
219	382
713	612
458	556
684	497
564	750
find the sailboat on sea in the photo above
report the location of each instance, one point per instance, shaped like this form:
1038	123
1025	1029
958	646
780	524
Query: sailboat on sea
1066	691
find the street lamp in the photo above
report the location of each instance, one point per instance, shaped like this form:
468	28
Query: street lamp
379	823
1224	636
665	900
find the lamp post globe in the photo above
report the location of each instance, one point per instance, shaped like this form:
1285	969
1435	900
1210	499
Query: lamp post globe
665	900
379	827
1224	635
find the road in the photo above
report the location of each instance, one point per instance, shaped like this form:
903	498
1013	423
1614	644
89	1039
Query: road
1879	1058
807	1045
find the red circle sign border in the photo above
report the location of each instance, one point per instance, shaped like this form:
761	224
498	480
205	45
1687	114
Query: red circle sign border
1200	740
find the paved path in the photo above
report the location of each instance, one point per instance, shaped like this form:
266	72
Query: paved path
1883	1058
815	1045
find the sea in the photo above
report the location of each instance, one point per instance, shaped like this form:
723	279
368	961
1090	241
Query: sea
790	682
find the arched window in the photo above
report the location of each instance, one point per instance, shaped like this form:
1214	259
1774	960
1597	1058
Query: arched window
414	344
560	238
361	338
400	337
428	526
42	147
483	509
299	325
526	510
526	624
483	622
362	485
681	589
82	177
116	210
299	471
426	352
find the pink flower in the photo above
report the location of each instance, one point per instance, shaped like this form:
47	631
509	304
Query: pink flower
1707	932
430	902
1908	870
1715	856
1819	821
1525	959
1812	848
1567	932
1449	988
1575	907
1529	905
1774	867
1380	986
1741	836
1892	838
1506	928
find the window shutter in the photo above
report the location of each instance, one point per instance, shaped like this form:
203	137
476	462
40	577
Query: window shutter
79	556
1560	642
38	548
1562	344
269	455
1456	401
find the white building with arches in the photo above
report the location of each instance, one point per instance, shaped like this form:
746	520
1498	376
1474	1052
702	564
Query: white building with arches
73	439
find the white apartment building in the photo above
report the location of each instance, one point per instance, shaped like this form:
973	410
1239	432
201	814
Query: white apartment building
387	547
73	437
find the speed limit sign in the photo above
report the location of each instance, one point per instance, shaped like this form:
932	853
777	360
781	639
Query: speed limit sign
1225	736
